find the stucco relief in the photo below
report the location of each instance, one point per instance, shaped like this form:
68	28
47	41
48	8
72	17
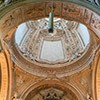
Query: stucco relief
56	6
75	79
47	92
34	11
22	80
12	20
72	11
18	16
20	77
7	23
29	11
87	16
83	81
95	22
70	43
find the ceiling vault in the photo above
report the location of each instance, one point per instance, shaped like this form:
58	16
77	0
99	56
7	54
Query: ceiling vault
57	73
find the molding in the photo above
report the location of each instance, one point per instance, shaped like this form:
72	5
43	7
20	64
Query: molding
5	78
50	83
81	14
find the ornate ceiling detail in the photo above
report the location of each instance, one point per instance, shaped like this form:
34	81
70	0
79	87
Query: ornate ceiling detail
47	92
35	88
96	76
62	69
8	26
66	40
69	11
4	76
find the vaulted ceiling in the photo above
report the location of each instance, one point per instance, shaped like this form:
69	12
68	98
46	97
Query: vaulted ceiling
36	65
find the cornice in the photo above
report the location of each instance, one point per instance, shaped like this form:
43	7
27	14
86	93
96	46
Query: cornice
88	4
63	69
81	14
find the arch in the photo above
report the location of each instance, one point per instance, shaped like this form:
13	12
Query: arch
6	75
95	74
51	84
90	16
4	82
35	11
98	78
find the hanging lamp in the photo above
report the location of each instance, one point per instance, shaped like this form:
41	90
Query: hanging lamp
51	20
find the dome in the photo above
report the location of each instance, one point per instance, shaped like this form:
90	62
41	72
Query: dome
38	65
66	44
